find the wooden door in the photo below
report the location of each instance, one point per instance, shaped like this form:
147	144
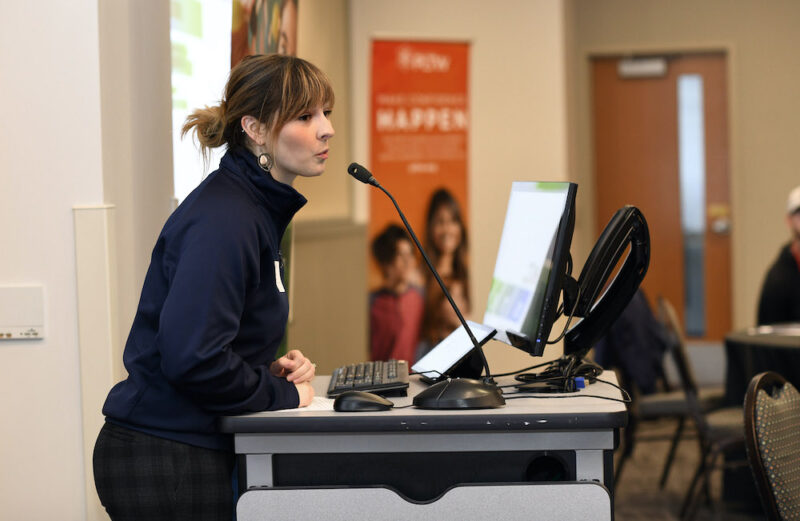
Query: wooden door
636	161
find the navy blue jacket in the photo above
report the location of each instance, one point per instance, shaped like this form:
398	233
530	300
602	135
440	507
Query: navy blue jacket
212	312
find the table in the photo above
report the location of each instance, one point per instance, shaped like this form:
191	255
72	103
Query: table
537	458
749	352
758	349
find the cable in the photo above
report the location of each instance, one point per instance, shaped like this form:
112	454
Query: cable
571	314
623	391
577	395
556	369
560	309
493	376
525	369
423	372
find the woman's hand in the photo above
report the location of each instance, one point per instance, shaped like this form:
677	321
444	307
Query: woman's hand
293	366
305	392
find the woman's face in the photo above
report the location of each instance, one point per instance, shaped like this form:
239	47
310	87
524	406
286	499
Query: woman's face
301	148
445	230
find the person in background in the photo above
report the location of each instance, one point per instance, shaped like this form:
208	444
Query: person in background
446	244
395	310
780	293
213	307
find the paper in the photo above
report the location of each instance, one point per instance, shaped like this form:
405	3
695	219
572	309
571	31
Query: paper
318	403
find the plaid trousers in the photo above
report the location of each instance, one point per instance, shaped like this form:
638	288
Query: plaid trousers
143	477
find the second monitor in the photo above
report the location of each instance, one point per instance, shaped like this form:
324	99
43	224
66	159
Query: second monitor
531	263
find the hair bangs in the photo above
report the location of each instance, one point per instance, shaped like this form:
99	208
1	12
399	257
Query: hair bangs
305	87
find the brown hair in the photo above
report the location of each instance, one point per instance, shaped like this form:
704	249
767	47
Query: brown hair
272	88
442	198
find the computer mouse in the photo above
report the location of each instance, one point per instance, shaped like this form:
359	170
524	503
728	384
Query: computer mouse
460	393
360	401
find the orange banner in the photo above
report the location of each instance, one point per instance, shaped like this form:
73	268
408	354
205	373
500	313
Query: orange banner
419	129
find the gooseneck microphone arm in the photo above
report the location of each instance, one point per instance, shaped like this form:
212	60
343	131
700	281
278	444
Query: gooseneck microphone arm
363	175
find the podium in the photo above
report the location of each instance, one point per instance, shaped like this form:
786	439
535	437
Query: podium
547	457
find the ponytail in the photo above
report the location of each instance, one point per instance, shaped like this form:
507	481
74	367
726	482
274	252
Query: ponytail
208	125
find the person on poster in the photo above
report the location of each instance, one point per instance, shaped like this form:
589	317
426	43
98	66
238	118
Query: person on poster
213	308
263	26
446	243
395	310
780	294
287	32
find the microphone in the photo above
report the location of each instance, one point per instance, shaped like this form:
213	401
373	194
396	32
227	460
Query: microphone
482	395
362	174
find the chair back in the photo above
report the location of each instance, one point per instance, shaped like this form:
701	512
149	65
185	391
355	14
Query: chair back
677	347
772	429
680	356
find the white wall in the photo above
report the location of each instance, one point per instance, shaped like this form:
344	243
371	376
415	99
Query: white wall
86	185
50	144
517	105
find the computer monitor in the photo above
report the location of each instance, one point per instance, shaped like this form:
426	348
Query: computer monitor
531	263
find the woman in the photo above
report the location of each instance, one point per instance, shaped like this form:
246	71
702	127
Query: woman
446	243
213	307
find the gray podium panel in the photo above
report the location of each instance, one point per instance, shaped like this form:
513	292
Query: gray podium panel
509	502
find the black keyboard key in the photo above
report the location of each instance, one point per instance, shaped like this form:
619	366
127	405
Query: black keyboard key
376	377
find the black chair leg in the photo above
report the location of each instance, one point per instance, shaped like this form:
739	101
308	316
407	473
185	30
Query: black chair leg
712	464
671	455
689	500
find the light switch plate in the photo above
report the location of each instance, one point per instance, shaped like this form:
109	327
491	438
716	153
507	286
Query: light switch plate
21	312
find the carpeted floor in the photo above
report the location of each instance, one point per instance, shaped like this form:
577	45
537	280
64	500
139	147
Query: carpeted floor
638	496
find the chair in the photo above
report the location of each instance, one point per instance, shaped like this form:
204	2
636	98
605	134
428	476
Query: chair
772	423
669	402
672	404
719	431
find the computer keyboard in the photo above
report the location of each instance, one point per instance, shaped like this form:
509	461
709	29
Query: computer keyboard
378	377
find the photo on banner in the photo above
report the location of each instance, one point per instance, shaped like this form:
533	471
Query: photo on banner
419	149
267	27
263	27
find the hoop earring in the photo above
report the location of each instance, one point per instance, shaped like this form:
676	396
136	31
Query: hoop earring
265	161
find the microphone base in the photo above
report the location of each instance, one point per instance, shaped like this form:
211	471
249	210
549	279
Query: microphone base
460	393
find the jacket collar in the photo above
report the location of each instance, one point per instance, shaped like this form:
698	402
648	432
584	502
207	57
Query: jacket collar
281	200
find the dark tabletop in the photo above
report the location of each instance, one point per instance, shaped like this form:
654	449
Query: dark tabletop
755	350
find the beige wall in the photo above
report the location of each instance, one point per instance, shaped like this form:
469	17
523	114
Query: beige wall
518	132
322	39
328	289
517	105
761	39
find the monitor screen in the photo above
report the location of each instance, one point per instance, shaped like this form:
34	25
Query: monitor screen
531	263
